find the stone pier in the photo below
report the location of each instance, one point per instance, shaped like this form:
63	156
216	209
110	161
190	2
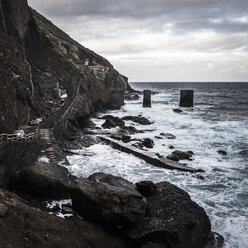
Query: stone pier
147	99
186	98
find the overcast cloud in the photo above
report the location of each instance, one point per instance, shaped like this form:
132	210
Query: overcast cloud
160	40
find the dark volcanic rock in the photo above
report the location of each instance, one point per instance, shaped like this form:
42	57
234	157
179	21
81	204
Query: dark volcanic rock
147	142
118	121
172	220
126	138
138	119
171	147
67	209
46	180
146	188
180	155
108	199
130	130
138	145
177	110
109	124
222	152
168	135
88	140
215	240
24	226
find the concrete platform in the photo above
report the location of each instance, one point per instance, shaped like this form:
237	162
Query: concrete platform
149	157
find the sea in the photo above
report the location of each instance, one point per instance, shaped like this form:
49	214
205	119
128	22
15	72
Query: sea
218	121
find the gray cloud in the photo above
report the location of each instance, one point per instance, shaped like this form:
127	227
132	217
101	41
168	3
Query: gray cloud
163	35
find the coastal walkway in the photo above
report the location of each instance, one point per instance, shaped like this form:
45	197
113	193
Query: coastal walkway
52	151
149	157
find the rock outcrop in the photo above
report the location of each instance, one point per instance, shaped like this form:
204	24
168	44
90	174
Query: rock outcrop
108	199
39	63
24	226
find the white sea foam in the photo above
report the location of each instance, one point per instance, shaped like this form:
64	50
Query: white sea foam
223	194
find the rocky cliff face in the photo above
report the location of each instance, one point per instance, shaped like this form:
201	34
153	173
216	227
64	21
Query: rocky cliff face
39	63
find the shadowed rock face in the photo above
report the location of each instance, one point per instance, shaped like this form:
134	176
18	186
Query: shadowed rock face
24	226
37	61
108	199
172	220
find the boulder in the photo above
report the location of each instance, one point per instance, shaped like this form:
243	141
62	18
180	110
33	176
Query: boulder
126	138
118	121
146	188
172	220
109	124
89	140
138	145
171	147
177	110
147	142
108	199
138	119
168	135
222	152
215	240
46	180
130	130
180	155
25	226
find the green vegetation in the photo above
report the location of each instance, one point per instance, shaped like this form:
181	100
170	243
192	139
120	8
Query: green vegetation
48	74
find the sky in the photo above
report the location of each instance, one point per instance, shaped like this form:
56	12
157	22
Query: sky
160	40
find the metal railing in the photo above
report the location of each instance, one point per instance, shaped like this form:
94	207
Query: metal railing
5	137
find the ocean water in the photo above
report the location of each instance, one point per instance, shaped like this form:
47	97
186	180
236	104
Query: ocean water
218	120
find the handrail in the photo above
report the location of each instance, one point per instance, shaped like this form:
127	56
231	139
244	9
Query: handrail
5	137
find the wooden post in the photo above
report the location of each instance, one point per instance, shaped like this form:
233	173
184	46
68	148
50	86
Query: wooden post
146	98
186	98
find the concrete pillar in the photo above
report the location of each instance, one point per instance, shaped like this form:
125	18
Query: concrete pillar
186	98
146	98
117	98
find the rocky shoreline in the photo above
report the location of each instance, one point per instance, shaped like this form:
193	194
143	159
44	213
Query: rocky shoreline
50	79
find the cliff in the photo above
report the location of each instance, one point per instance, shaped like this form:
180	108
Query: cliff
39	63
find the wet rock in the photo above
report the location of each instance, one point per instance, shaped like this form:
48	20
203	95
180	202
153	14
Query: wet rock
56	208
222	152
216	169
131	97
172	220
138	145
171	147
159	155
200	170
147	142
130	130
126	138
88	140
45	180
138	119
215	240
158	137
168	135
116	137
108	199
180	155
28	227
109	124
67	209
177	110
146	188
118	121
200	177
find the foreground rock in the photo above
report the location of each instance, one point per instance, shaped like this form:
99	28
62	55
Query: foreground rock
24	226
108	199
45	180
180	155
118	121
148	143
138	119
172	220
